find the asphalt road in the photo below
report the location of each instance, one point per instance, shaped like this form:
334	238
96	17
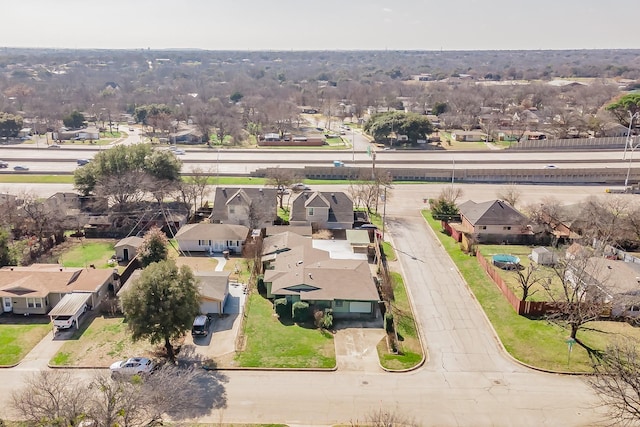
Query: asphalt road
63	159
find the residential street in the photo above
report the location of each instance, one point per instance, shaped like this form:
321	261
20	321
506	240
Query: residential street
467	381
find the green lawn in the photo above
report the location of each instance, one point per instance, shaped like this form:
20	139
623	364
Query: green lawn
388	251
36	179
511	277
17	340
274	344
410	349
88	253
535	342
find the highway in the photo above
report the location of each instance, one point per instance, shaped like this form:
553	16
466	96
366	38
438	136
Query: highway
238	161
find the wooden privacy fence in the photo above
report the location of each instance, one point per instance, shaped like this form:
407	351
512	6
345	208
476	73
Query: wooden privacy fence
523	308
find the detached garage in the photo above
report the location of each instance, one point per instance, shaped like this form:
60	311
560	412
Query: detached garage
214	290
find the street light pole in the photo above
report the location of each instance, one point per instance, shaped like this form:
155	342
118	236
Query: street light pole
628	140
353	146
632	148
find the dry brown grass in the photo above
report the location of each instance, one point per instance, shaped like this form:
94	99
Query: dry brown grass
101	341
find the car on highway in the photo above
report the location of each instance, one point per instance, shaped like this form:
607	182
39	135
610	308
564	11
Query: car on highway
551	167
299	186
54	146
179	152
130	129
82	162
3	164
20	168
132	366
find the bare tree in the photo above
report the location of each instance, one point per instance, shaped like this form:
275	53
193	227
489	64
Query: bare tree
281	179
56	398
616	380
50	398
194	189
510	194
385	418
527	279
579	291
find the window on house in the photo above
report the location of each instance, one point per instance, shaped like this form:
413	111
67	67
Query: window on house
232	209
7	303
31	303
483	227
310	211
38	302
506	227
338	303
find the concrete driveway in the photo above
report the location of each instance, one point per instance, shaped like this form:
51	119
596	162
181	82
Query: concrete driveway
355	344
223	331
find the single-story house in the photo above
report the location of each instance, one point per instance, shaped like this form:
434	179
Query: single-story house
610	281
494	221
469	136
204	237
302	230
251	207
213	287
283	242
214	290
127	248
36	289
307	274
322	210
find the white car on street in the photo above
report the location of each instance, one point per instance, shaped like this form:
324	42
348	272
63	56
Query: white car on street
132	366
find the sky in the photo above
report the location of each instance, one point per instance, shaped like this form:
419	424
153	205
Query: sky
321	25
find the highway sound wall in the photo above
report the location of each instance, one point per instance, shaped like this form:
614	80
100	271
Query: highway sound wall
571	144
611	176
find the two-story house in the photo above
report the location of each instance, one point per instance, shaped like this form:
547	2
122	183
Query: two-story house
251	207
322	210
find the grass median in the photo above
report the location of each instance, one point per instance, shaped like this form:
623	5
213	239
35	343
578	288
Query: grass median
410	353
536	342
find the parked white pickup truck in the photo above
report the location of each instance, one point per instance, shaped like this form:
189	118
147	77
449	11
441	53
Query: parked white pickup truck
66	322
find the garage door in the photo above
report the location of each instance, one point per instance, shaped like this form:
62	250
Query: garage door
209	307
360	307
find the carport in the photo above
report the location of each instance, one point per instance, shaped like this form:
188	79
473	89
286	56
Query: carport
72	304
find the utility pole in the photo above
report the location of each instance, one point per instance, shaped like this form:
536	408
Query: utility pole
629	139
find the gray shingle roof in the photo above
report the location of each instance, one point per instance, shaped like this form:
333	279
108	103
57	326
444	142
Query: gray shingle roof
263	199
493	212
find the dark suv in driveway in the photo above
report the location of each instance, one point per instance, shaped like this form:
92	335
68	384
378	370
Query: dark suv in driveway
201	326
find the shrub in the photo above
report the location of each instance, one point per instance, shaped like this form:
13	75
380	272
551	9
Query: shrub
300	311
281	306
261	286
388	322
318	318
327	320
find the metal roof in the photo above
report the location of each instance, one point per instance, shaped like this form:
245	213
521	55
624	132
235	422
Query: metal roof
70	304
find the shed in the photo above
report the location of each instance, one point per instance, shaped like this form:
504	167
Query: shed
127	248
543	256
